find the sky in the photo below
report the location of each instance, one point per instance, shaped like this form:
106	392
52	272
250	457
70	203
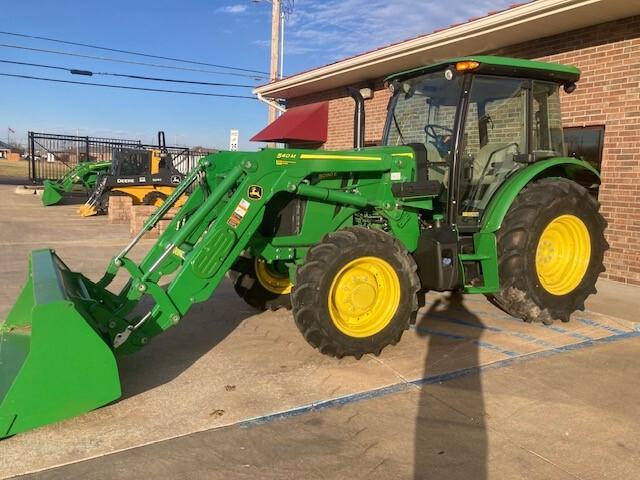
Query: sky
231	33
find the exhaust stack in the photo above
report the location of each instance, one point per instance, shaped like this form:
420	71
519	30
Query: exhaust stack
358	118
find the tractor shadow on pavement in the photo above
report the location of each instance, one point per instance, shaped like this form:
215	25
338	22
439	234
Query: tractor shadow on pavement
170	354
74	199
450	435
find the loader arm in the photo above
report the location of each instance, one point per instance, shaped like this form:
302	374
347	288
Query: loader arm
211	230
229	195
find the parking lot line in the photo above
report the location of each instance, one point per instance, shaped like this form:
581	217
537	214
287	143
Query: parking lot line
479	343
434	379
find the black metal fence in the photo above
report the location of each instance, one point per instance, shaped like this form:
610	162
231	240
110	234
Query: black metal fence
51	155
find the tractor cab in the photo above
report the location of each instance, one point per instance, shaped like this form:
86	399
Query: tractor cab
479	120
143	166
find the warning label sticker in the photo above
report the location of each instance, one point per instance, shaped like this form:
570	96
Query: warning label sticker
239	213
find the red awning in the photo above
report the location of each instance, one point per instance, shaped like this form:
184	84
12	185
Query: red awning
307	123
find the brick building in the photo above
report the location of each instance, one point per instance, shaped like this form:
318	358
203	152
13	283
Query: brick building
8	152
601	118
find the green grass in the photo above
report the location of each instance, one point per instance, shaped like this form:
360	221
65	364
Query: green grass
10	170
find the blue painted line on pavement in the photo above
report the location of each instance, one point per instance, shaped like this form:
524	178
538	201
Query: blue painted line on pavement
571	333
475	341
496	348
429	380
593	323
509	318
501	317
520	335
555	328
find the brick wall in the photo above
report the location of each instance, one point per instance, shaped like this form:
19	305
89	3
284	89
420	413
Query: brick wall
119	211
608	94
140	214
123	211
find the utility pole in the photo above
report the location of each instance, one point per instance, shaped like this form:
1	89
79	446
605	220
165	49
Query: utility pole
276	15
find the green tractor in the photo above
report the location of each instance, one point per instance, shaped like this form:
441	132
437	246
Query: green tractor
83	175
470	192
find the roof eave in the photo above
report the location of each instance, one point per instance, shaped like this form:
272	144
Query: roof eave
493	32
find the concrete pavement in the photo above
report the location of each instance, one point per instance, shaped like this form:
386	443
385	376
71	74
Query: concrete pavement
467	381
569	417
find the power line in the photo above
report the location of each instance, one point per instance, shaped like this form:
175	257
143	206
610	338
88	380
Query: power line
89	73
129	52
29	77
107	59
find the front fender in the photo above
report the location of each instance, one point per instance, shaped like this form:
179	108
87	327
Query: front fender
555	167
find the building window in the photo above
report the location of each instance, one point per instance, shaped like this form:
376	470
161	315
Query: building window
585	143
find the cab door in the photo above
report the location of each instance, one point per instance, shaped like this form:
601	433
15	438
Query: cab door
495	135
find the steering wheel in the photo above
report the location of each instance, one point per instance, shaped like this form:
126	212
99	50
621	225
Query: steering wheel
441	141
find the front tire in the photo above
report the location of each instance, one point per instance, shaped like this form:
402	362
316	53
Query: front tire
356	293
550	251
154	198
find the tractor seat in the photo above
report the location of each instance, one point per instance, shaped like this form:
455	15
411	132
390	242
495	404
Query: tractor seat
498	154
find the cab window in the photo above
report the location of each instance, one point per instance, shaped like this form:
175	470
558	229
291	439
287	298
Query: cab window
547	121
494	134
424	111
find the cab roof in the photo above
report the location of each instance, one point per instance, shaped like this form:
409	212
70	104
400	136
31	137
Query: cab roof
494	65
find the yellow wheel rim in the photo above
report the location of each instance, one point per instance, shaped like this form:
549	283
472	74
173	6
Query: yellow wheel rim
364	297
273	281
563	254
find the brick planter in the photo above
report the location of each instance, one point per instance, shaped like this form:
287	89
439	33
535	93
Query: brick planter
119	211
140	213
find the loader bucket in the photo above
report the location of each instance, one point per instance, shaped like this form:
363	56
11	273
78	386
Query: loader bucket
51	193
53	364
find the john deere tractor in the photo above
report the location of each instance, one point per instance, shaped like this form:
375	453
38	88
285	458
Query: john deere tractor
82	176
147	175
471	191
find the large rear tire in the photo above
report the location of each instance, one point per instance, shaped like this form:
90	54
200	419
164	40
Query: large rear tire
356	293
550	251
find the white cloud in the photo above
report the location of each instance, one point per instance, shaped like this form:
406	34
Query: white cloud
262	43
238	8
334	29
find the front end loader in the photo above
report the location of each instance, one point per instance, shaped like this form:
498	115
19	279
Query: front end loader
470	192
83	175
